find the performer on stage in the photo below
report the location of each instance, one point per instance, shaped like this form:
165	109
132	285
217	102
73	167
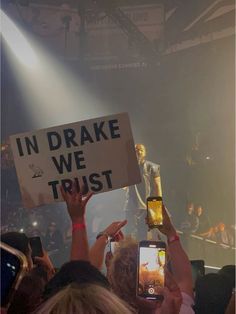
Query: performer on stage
135	205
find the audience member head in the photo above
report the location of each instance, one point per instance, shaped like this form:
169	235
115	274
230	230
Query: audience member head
229	271
213	292
28	295
190	208
199	210
216	229
80	272
221	226
19	241
123	271
84	299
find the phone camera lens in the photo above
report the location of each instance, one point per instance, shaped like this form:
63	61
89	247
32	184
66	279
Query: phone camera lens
151	291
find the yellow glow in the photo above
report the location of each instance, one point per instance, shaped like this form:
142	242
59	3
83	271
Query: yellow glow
17	42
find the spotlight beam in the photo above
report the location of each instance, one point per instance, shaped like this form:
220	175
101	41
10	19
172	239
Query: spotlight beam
17	42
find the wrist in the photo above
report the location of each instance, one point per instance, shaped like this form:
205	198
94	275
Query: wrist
78	220
171	233
103	235
78	226
172	239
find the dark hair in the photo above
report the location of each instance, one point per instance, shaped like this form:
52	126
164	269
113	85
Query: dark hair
17	240
79	272
41	272
229	271
213	292
28	295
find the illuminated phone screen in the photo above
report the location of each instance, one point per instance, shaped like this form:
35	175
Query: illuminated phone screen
10	266
151	271
155	217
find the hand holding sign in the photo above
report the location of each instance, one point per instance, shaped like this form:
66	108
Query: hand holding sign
76	204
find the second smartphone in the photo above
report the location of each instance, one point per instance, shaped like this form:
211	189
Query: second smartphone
13	268
36	246
154	211
151	263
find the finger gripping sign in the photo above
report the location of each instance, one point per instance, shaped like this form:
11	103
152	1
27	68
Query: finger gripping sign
96	154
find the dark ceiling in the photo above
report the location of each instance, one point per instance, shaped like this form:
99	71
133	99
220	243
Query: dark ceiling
184	19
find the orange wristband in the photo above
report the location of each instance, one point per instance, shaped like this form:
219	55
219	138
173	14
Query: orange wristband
78	226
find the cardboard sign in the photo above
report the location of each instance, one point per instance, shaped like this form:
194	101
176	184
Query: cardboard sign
98	154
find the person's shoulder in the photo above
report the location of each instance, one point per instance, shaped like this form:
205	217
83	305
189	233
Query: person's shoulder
153	168
151	164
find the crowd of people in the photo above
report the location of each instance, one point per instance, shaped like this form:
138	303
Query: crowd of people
197	222
97	280
52	237
80	286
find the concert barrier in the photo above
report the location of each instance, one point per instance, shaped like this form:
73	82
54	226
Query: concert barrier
213	253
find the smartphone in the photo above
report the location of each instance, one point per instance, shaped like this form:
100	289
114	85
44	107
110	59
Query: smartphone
154	211
151	263
13	267
36	246
113	246
198	270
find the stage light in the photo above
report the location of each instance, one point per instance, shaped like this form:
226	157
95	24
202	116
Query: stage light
34	223
17	42
52	93
21	230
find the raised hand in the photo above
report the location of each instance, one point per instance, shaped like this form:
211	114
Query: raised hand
98	249
113	230
45	262
76	203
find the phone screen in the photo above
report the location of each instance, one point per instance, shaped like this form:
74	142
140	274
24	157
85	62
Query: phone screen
36	246
10	267
198	270
113	246
154	211
151	271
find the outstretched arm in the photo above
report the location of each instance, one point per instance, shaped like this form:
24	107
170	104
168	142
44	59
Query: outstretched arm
76	204
180	263
157	185
98	249
172	297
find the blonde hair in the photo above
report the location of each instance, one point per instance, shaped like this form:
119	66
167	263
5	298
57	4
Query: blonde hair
84	299
123	271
